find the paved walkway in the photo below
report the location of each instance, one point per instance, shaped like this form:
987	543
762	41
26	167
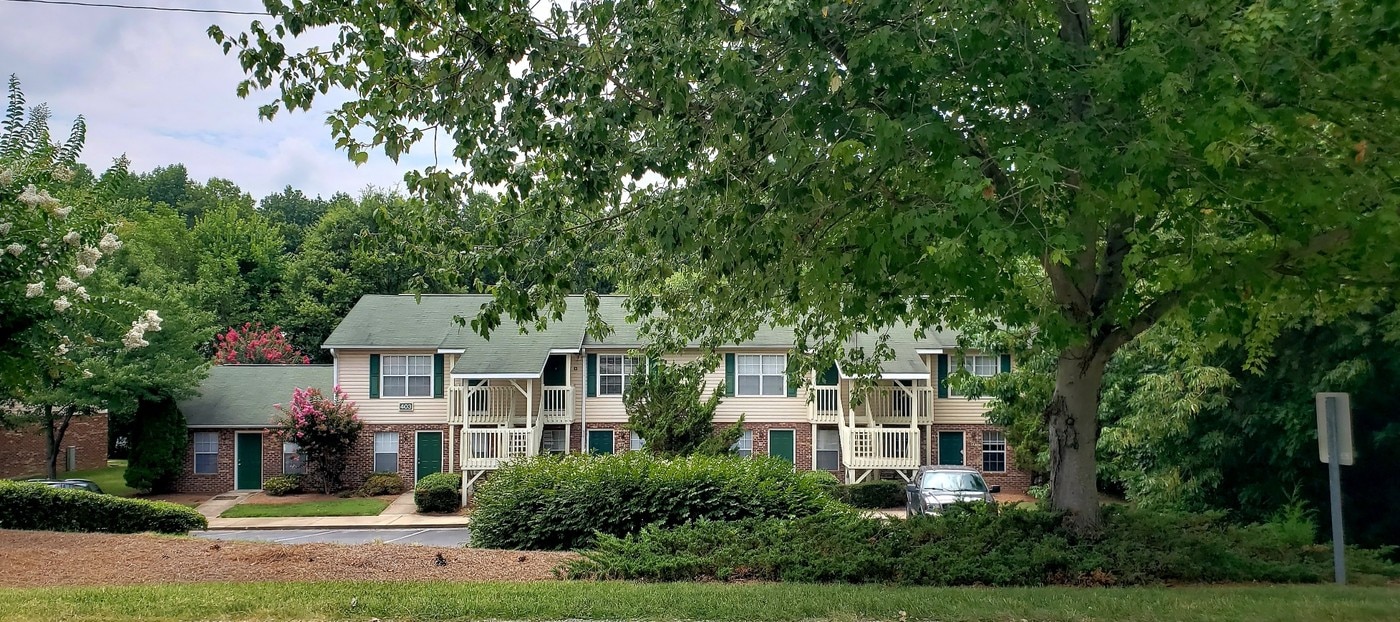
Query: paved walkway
435	536
400	514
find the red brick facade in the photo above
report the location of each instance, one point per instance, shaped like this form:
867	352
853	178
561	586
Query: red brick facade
361	462
22	450
360	465
1010	480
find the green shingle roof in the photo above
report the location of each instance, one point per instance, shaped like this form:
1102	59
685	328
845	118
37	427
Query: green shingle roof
242	396
401	322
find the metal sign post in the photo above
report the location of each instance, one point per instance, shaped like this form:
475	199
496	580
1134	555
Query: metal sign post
1335	448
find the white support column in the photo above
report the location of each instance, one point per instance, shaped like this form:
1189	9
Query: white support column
451	448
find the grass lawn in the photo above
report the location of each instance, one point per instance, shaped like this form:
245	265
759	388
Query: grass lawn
335	507
111	478
692	601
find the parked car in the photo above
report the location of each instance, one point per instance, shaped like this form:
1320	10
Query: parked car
935	487
71	484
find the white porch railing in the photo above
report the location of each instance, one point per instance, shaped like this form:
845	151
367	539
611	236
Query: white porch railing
557	405
481	404
880	448
486	449
882	404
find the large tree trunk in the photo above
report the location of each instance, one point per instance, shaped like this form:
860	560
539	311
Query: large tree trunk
1073	419
54	431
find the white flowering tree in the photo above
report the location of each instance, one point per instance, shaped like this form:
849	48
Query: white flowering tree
52	330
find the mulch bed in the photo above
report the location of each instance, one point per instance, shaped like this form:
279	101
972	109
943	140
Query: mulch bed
44	559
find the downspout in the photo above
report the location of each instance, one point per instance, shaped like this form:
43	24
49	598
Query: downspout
583	401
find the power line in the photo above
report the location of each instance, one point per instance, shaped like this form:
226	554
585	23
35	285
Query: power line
137	7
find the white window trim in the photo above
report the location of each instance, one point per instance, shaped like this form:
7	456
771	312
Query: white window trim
739	444
432	381
558	435
1003	451
637	364
761	356
375	453
300	452
197	453
635	442
970	367
817	450
612	449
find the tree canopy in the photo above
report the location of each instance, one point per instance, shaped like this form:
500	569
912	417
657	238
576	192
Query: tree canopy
1086	168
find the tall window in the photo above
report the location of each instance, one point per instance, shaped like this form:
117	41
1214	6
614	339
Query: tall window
407	376
615	373
983	365
760	375
552	441
744	446
828	443
206	452
293	459
386	452
993	452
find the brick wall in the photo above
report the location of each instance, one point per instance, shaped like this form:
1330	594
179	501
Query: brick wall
1010	480
22	450
359	465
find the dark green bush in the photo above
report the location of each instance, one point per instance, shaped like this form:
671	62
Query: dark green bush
382	484
824	480
36	506
873	495
971	545
561	502
279	485
438	492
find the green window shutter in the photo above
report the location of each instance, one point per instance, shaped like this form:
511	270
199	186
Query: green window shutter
592	375
792	386
374	376
729	374
1005	363
943	376
437	376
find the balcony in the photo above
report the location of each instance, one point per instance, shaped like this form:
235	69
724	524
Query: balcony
487	449
557	405
880	448
505	405
881	404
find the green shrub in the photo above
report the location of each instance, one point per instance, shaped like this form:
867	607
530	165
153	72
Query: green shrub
562	502
873	495
438	492
26	505
382	484
824	480
971	545
279	485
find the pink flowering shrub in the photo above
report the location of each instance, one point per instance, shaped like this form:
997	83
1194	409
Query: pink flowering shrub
325	428
253	344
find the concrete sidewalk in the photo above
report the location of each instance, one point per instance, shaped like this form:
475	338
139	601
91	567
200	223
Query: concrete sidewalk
401	514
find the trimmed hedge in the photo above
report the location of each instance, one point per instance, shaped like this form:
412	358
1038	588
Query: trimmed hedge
26	505
438	492
382	484
551	502
280	485
873	495
976	544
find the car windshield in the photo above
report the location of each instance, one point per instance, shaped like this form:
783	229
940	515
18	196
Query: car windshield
954	482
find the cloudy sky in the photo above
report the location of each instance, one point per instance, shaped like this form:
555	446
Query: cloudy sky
153	85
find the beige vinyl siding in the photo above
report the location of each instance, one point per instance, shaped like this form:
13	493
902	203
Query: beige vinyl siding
754	409
954	410
354	380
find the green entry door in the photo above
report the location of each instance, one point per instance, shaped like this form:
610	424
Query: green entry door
429	454
600	441
950	448
783	444
247	470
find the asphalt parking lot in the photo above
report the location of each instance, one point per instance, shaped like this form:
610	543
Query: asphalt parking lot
430	537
